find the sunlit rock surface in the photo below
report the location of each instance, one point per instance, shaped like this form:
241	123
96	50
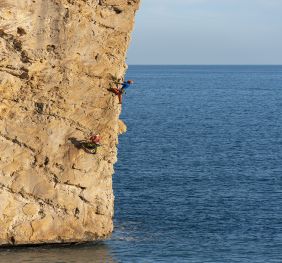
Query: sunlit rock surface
57	60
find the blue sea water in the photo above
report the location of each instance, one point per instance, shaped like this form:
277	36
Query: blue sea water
199	176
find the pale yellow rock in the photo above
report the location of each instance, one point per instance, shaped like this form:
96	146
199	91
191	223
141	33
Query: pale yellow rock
21	231
45	229
121	127
31	209
57	61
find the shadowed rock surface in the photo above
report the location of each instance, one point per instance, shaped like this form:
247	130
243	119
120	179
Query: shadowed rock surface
57	60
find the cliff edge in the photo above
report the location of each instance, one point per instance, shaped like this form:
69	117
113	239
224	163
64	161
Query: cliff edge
57	60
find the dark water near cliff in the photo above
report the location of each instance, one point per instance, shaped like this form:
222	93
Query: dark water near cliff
199	177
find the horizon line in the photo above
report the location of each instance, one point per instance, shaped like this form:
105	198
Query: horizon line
204	64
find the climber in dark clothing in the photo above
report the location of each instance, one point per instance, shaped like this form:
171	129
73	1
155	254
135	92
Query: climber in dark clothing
119	91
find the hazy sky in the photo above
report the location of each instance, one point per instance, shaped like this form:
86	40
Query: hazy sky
207	32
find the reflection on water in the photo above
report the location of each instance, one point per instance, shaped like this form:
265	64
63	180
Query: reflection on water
87	253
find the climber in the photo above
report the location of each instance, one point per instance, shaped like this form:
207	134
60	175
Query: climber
93	143
119	91
95	138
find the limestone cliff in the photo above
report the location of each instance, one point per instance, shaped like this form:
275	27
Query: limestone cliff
57	60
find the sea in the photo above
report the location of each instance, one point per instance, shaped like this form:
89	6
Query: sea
199	172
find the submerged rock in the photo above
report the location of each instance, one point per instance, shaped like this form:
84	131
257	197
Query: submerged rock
57	60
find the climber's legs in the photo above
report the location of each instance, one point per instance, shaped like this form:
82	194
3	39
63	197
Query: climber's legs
118	93
120	98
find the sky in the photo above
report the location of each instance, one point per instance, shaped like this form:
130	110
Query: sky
207	32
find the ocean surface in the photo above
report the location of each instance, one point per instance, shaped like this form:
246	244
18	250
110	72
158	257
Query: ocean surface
199	177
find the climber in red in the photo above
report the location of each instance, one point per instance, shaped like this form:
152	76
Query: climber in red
92	145
96	139
119	91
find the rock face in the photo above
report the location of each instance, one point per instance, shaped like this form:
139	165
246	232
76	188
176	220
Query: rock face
57	60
